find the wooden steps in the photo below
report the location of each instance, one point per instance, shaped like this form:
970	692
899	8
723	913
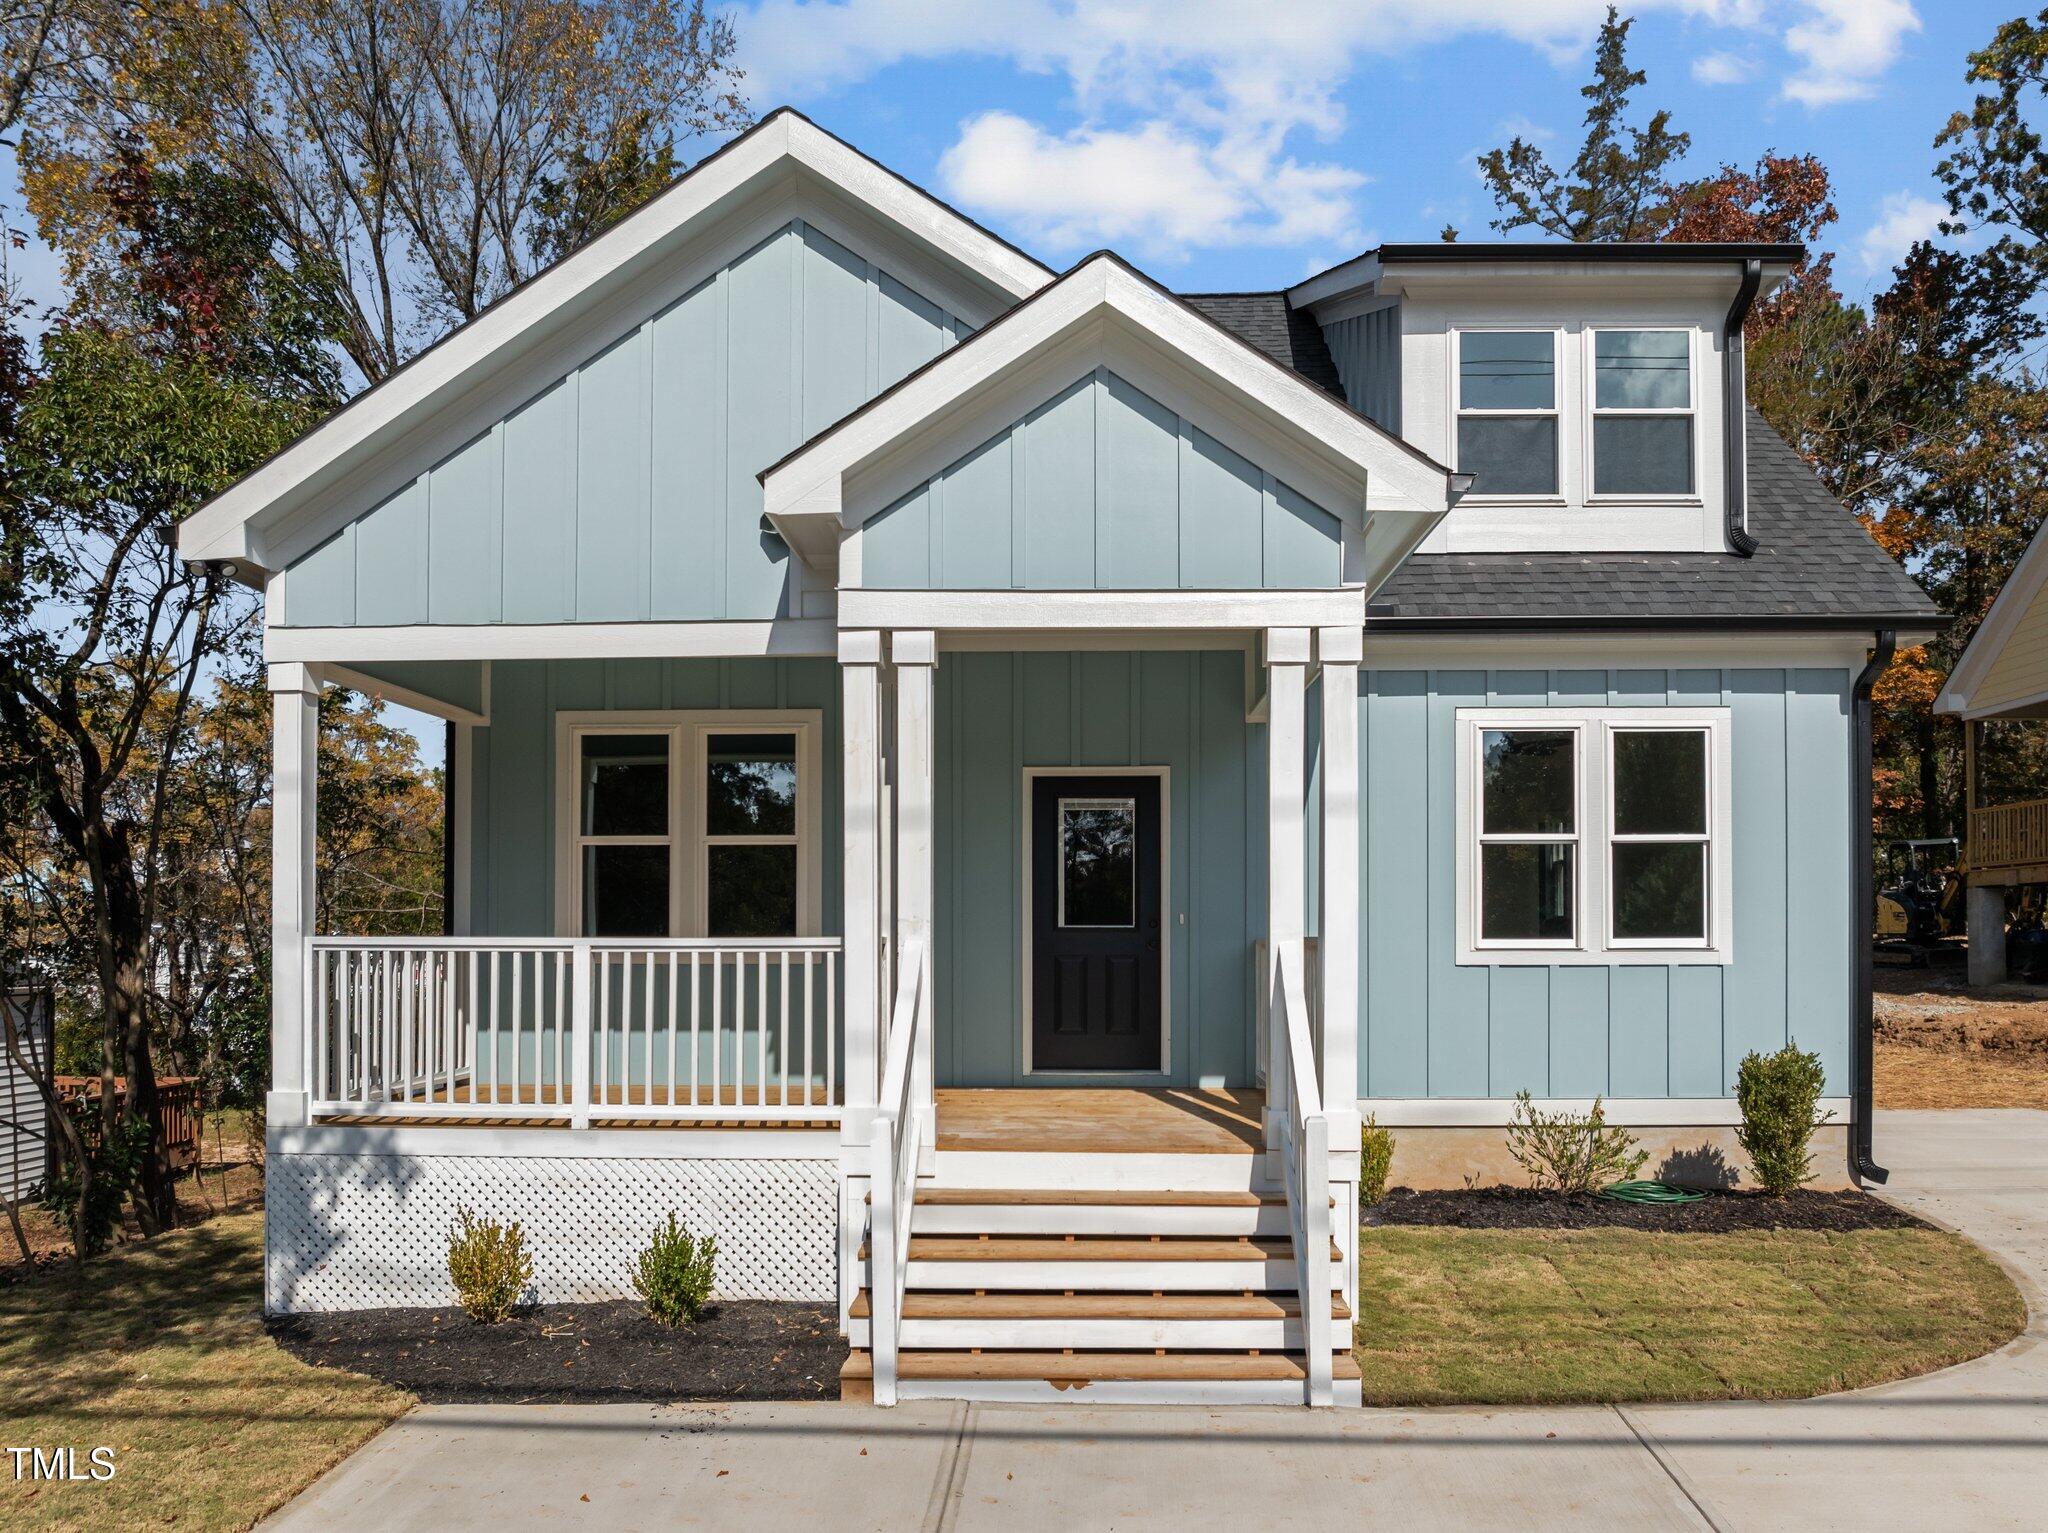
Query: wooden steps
1101	1306
1105	1377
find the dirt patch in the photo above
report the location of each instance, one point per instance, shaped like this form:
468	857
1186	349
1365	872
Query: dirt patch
235	1186
581	1353
1944	1043
1520	1208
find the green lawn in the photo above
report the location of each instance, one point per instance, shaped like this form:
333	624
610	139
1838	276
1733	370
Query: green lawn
160	1354
1454	1317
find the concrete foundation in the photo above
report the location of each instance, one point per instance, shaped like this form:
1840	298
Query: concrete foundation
1985	910
1704	1156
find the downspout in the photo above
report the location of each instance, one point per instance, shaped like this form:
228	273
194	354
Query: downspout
1734	400
1862	1021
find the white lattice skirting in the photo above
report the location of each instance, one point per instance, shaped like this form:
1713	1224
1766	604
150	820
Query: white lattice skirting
371	1231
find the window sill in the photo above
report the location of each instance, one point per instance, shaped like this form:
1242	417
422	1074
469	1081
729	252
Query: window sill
1646	502
1592	958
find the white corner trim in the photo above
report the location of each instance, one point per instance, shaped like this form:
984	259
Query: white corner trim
552	641
230	525
1630	1112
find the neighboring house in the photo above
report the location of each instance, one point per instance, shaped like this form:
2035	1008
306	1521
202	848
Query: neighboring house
2002	674
946	749
28	1019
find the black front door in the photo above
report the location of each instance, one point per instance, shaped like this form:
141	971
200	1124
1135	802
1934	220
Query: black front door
1095	937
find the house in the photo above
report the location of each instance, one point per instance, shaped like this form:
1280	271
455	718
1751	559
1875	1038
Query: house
2001	674
969	781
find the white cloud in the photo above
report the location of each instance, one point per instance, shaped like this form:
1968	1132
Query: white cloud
1903	219
1723	68
1844	47
1194	122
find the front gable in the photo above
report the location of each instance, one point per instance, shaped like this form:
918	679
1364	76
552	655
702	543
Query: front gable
1102	487
625	489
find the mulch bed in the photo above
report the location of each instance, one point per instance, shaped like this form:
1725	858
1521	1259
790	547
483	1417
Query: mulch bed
1521	1208
581	1353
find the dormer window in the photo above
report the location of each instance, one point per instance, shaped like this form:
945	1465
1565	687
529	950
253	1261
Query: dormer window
1507	411
1642	413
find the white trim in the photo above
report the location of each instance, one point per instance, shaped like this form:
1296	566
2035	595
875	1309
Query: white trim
1593	410
821	1143
406	697
1454	377
1524	650
1958	694
1592	942
685	730
232	525
462	773
1113	611
1167	917
1631	1112
551	641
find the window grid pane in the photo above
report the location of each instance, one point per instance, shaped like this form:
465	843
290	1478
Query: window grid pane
1642	370
1642	455
1507	370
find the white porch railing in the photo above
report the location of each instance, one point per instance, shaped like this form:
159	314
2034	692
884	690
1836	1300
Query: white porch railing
1305	1144
898	1139
1262	1008
592	1031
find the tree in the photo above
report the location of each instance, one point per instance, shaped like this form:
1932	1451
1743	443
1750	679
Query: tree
416	158
184	361
1616	187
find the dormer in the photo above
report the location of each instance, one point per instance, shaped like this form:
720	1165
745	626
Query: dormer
1591	390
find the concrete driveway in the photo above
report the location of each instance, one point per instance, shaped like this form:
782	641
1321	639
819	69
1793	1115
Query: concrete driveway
1963	1449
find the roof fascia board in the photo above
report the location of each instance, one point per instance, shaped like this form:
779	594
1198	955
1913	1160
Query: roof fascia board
1958	695
459	364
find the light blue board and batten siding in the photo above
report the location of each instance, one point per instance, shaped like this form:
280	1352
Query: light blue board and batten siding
1101	487
1183	710
626	490
1433	1028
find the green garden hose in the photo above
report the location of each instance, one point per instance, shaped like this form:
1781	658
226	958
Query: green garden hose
1650	1192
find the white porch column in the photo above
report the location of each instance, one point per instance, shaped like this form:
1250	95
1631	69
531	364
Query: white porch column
860	680
295	768
915	656
1339	651
1287	651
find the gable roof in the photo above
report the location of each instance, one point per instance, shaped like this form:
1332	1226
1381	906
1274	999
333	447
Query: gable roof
2003	672
551	303
1815	568
805	499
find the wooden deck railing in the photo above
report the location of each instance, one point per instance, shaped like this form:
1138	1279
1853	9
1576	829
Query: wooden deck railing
590	1031
2009	835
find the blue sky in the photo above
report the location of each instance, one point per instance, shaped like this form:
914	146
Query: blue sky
1234	145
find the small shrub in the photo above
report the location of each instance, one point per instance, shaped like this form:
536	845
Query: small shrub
1571	1152
674	1274
1375	1161
489	1265
1778	1094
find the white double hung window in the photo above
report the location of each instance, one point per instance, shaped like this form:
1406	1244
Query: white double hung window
1643	430
1593	835
1507	411
688	825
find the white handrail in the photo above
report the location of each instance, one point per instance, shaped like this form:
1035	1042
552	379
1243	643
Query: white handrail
1307	1161
892	1174
584	1030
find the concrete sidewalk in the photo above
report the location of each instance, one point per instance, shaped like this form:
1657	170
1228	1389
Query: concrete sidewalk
1964	1449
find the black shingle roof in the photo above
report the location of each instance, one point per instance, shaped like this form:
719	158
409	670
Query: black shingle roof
1815	563
1289	336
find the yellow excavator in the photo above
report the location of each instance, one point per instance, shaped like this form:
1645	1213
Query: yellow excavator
1920	902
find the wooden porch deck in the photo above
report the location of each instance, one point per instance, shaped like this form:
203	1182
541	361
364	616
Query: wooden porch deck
1103	1120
